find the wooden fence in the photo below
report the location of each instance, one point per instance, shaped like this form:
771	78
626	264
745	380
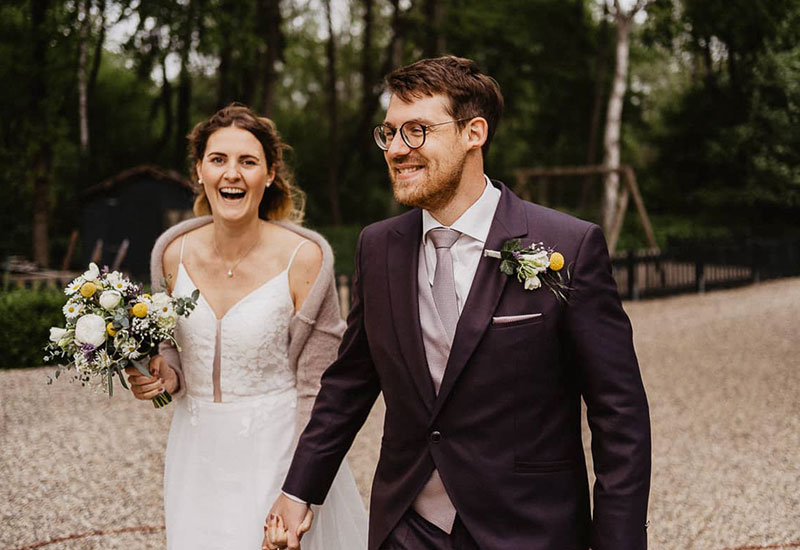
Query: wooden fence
701	267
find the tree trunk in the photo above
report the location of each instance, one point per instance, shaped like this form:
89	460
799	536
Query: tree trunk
98	50
367	78
274	53
224	72
41	157
184	86
611	139
434	39
333	121
85	8
597	110
166	105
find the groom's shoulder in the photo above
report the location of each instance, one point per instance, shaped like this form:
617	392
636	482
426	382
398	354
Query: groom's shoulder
378	231
542	217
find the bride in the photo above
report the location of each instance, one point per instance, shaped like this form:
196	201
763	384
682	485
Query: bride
252	352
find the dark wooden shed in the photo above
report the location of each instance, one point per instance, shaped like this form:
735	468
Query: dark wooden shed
137	204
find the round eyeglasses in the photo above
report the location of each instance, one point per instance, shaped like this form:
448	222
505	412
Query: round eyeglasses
413	133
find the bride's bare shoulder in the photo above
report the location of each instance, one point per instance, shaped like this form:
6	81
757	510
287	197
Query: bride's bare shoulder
171	258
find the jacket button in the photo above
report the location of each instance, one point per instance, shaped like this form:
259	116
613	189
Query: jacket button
436	437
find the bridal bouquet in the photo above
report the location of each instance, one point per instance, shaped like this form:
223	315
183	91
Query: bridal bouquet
110	325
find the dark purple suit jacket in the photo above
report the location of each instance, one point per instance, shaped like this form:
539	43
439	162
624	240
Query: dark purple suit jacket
504	431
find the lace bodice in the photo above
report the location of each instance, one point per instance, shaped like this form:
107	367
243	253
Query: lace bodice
249	343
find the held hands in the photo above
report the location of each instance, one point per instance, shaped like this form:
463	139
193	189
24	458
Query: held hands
163	378
286	533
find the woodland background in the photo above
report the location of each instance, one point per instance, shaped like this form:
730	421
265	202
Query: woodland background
708	107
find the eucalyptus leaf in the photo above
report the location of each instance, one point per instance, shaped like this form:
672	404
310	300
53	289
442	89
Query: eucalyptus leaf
122	378
141	368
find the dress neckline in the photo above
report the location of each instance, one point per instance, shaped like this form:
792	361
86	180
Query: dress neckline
277	277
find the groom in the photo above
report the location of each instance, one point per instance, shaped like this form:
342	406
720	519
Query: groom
482	379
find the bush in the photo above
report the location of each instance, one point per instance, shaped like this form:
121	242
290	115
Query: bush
25	320
343	240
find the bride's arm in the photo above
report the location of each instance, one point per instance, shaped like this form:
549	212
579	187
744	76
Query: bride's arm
316	329
164	262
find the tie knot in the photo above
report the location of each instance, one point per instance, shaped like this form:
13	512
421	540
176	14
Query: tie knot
443	237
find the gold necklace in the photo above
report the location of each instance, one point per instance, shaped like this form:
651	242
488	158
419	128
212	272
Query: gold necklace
242	257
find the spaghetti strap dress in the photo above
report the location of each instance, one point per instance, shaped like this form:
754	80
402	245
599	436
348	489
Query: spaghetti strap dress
233	430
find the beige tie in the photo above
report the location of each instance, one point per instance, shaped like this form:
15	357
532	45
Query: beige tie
444	284
432	502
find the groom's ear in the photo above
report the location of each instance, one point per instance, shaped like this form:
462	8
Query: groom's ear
477	131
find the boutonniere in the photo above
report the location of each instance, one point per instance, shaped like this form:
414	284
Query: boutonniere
534	266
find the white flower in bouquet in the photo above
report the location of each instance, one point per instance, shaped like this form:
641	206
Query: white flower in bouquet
74	286
90	365
117	281
93	273
162	305
56	334
126	345
72	309
90	329
110	299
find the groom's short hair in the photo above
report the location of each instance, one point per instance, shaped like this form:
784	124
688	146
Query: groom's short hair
471	93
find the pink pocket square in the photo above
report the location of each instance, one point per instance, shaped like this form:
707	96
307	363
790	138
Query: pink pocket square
513	318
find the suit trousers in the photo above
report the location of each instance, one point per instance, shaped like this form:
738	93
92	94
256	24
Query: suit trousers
413	532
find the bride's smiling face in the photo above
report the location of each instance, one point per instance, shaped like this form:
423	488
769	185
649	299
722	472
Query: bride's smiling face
234	173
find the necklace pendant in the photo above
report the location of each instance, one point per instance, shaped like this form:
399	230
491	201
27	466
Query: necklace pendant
230	273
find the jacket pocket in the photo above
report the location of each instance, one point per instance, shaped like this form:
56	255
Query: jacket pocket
543	466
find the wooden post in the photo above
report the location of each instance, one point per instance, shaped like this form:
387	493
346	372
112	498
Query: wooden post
73	241
633	292
344	295
521	188
619	219
97	253
121	253
542	197
630	179
699	276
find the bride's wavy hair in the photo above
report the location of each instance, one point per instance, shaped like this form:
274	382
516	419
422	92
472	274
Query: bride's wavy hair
282	200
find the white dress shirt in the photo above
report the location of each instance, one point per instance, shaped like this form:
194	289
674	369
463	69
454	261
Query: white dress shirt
474	226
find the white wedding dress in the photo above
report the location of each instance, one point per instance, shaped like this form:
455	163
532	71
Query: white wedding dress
226	461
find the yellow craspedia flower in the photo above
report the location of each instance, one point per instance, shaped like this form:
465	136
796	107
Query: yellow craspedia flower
139	310
556	261
110	329
88	289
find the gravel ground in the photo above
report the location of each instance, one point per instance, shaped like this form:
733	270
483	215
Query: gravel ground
721	371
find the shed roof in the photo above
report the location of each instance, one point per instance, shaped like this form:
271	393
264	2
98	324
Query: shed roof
150	170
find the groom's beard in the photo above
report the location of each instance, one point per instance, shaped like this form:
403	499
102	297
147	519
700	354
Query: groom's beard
433	189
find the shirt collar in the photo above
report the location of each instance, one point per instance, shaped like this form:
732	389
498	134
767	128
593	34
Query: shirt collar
476	221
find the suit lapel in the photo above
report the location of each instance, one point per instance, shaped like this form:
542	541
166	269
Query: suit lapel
509	222
403	264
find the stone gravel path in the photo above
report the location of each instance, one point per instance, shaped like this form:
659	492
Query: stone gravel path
722	371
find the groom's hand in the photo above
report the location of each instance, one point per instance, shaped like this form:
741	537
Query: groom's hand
297	518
